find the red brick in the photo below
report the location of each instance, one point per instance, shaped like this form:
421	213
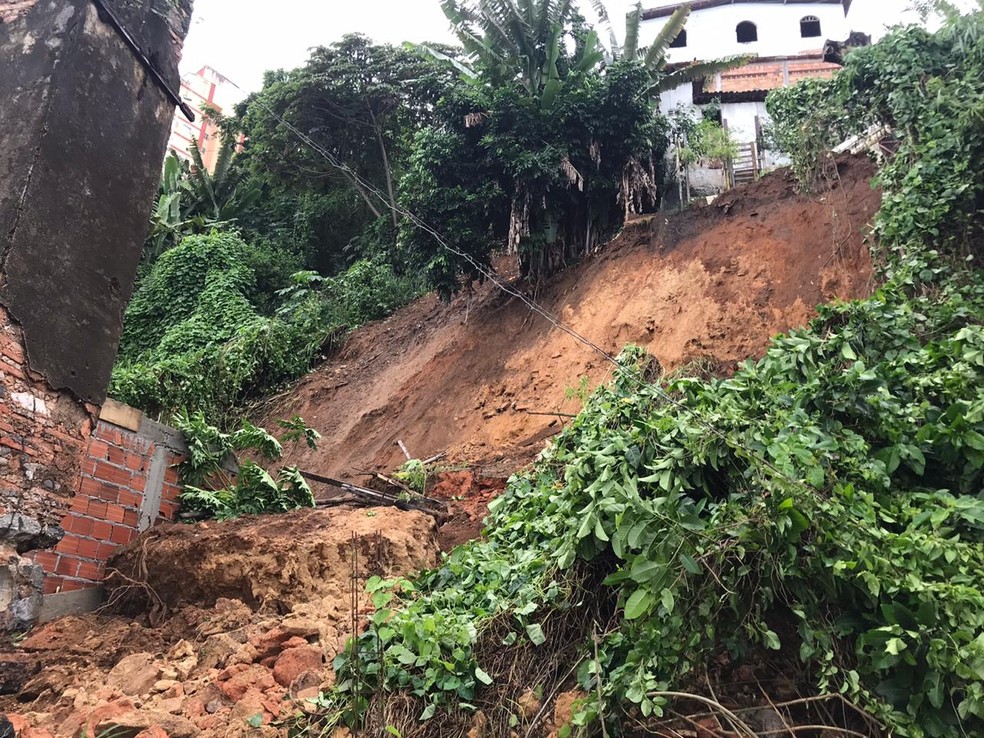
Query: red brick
75	443
130	499
80	504
114	513
105	551
12	349
97	509
22	447
101	530
69	544
114	474
104	431
52	584
76	524
135	462
169	510
131	518
88	548
99	490
15	372
116	456
171	492
123	535
171	475
98	450
70	585
67	565
138	483
47	559
91	571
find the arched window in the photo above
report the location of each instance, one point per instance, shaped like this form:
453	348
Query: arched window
747	32
680	42
810	27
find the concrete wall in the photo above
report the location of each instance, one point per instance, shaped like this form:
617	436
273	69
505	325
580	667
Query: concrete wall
711	33
83	130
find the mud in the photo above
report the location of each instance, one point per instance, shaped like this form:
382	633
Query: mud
710	285
229	629
216	629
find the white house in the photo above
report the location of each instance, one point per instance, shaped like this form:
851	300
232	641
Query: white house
786	40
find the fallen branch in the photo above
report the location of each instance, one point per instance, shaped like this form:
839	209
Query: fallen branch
434	508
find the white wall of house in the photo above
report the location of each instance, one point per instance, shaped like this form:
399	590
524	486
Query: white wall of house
712	32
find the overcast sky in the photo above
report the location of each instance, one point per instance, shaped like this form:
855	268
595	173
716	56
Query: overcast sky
243	38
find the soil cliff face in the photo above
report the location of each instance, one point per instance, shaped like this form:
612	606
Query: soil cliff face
712	284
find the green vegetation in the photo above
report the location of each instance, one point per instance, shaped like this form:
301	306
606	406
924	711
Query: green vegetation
373	173
543	148
196	335
219	485
823	505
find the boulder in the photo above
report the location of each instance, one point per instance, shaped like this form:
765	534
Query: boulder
135	723
135	674
294	662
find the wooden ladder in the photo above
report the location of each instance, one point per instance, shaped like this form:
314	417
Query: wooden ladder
745	166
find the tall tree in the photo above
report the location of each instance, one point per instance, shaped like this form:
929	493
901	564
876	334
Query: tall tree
358	104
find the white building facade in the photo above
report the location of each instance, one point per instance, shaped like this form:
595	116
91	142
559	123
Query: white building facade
785	40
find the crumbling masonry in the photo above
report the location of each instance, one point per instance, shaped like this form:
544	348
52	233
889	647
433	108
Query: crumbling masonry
83	130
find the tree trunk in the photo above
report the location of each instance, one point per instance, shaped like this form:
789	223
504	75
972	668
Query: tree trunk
386	169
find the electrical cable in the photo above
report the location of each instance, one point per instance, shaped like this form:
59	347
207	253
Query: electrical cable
737	448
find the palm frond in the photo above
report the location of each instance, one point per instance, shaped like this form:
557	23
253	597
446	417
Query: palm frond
655	55
227	150
630	51
591	54
606	24
696	71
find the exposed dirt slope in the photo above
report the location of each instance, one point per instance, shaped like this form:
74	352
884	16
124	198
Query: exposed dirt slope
236	625
714	282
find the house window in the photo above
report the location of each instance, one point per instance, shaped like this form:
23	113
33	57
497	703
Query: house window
747	32
810	27
680	42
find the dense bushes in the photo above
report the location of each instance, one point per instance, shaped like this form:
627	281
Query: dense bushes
549	181
195	338
822	505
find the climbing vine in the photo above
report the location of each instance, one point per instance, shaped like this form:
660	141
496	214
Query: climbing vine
822	505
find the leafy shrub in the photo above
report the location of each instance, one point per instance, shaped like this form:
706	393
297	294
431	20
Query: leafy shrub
807	120
834	481
211	486
414	474
548	179
824	501
194	338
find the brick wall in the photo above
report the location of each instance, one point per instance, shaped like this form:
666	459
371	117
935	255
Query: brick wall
43	437
769	75
128	482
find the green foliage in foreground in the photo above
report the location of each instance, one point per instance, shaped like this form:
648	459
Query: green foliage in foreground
207	476
830	492
863	526
195	336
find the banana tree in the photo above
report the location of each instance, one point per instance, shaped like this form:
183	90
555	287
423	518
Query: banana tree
653	57
522	40
218	196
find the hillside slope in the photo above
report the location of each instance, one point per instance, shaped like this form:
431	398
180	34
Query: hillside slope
711	284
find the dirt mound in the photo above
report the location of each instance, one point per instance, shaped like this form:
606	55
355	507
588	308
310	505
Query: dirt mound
270	562
468	496
251	614
479	377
